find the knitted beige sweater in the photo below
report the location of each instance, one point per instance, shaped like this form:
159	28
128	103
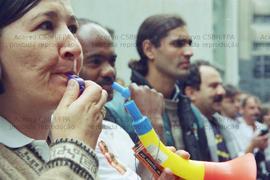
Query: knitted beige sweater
68	160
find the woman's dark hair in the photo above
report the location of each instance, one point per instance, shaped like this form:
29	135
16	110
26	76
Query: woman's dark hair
154	28
11	10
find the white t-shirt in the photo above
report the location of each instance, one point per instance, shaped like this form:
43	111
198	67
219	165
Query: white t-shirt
246	133
115	154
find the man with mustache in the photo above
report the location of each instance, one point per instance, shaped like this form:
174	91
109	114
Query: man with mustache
204	87
164	46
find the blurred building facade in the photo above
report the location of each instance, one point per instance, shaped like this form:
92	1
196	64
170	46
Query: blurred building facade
225	37
254	45
234	35
125	17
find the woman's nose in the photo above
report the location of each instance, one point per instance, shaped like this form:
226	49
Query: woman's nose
71	50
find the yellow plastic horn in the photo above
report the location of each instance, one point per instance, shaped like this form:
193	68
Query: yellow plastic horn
240	168
243	167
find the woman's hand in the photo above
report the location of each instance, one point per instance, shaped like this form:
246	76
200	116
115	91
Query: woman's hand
80	117
151	104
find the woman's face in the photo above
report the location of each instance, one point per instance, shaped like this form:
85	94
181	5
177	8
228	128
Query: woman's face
37	50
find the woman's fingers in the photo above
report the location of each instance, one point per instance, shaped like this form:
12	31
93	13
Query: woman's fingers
102	100
100	105
91	94
70	95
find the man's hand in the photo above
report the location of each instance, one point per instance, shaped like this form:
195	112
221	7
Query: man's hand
260	142
167	173
151	104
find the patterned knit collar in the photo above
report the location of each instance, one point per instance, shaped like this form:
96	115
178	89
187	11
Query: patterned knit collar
13	138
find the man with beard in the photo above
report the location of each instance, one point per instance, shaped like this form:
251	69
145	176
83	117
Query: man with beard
164	46
204	88
114	146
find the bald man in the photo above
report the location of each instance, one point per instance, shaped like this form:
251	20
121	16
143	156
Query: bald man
99	55
98	66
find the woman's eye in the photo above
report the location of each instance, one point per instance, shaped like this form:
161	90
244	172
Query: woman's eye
46	25
73	29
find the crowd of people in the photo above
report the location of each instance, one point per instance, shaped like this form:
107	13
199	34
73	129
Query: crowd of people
51	130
